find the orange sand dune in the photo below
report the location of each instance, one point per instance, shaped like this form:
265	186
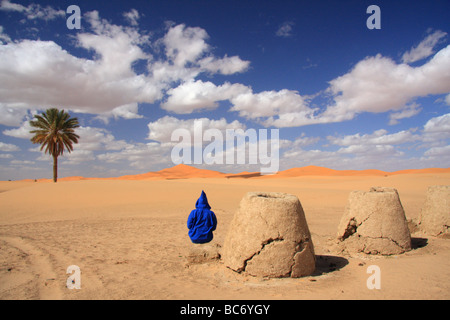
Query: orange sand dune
321	171
180	171
183	171
428	170
307	171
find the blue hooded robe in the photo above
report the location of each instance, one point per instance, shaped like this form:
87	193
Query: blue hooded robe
202	221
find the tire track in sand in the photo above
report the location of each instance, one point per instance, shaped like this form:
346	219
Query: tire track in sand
41	268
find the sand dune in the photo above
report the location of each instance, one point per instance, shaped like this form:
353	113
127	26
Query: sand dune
129	238
321	171
183	171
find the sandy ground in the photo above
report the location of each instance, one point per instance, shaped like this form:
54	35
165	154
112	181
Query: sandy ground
130	240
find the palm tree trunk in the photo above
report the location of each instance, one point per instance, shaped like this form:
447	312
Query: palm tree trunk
55	168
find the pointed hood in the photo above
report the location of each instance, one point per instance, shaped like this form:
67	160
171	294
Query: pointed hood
202	202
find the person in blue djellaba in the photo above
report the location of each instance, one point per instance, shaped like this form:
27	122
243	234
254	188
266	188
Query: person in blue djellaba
202	221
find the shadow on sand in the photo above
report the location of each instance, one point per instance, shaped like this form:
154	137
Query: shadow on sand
417	243
245	176
326	264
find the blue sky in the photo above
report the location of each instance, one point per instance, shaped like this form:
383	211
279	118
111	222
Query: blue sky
342	96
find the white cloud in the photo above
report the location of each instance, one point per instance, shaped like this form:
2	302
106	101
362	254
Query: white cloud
268	104
162	129
99	147
438	151
132	17
303	141
379	137
3	36
21	162
447	99
226	65
188	54
424	49
185	44
7	147
379	150
436	132
78	156
12	113
98	139
141	156
377	84
41	74
117	46
437	156
439	124
196	95
285	30
92	141
370	150
33	11
22	132
408	112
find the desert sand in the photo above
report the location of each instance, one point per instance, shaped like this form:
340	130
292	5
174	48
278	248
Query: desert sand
129	237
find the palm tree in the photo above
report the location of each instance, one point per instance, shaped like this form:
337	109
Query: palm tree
55	130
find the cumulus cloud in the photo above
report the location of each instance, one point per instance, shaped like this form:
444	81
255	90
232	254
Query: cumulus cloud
33	11
41	74
101	148
436	131
303	141
226	65
377	84
282	108
22	132
188	54
185	44
142	156
424	49
37	74
438	151
93	141
132	17
436	135
162	129
377	146
438	124
407	112
12	113
197	95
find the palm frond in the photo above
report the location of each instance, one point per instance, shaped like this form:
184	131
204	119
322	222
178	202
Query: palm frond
55	131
